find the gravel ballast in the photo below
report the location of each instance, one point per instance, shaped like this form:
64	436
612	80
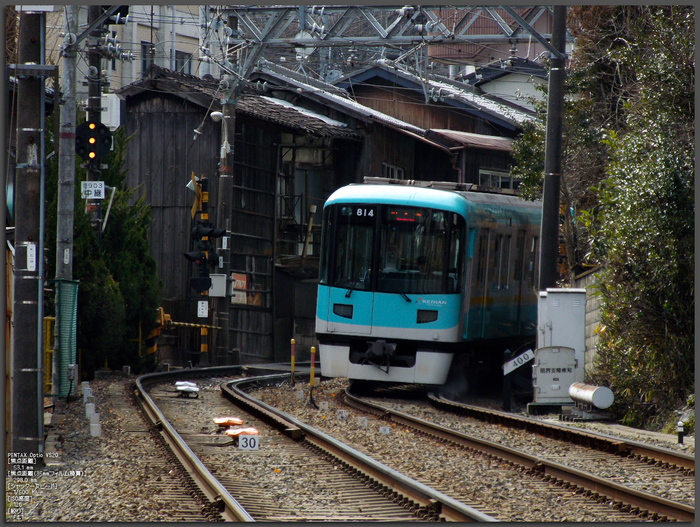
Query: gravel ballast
105	479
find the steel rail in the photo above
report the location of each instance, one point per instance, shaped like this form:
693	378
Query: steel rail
620	495
227	505
433	501
596	440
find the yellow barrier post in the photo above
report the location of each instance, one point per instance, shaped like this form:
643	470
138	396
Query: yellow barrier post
293	356
313	365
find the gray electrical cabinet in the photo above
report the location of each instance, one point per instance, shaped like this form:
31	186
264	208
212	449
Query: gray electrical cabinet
561	321
553	371
561	346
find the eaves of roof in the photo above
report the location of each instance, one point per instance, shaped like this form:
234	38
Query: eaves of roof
488	107
341	103
201	92
462	140
446	140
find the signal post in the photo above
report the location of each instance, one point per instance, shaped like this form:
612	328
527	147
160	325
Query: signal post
203	234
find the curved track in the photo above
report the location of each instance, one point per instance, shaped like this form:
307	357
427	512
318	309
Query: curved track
624	448
214	491
437	505
418	501
626	499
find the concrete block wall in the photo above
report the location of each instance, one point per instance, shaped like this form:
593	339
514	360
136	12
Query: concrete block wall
588	281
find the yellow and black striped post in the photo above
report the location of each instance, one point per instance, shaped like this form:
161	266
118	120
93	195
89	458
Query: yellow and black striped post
204	216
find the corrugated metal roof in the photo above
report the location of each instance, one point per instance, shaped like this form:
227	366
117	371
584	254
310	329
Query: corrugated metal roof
336	98
449	92
201	91
466	139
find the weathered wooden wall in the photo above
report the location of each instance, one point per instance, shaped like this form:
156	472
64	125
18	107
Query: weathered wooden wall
161	157
404	104
477	158
252	223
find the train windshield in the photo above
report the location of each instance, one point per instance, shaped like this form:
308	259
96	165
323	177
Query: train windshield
393	249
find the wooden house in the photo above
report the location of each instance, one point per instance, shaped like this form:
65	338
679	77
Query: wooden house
296	141
477	127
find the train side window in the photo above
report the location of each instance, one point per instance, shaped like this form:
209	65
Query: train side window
495	260
481	268
454	264
533	262
519	255
505	262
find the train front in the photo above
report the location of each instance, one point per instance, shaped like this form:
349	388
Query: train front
390	284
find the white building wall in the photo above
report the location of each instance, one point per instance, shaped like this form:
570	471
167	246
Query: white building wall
169	27
515	88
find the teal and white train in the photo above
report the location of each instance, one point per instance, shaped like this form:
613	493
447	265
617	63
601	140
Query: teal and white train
413	273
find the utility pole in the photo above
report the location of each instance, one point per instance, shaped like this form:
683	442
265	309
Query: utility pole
27	334
225	187
549	234
66	186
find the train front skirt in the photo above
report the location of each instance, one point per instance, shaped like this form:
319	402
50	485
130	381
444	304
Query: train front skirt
430	367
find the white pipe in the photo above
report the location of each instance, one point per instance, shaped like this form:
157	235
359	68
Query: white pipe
599	396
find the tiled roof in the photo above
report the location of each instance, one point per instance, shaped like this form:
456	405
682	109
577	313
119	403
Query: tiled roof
201	91
446	90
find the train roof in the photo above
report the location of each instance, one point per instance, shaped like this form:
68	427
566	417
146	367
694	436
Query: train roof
464	202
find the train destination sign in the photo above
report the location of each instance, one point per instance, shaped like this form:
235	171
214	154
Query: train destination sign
518	361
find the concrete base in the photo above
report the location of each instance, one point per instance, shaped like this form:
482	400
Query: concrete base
547	408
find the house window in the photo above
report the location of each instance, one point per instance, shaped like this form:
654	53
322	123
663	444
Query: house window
498	179
392	171
183	62
146	55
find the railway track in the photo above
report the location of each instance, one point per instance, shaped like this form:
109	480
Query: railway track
613	451
352	474
347	486
196	474
650	454
180	497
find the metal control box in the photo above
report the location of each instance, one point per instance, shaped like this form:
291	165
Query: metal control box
561	322
553	372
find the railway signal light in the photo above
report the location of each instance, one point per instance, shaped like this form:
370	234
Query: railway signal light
93	140
202	282
197	257
205	230
203	233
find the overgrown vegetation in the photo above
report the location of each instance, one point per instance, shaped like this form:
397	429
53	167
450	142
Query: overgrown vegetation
119	290
629	163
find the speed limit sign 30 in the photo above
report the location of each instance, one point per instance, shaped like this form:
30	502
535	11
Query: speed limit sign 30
248	442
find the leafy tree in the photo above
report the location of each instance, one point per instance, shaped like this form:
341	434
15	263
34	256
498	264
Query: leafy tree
644	224
119	290
629	174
